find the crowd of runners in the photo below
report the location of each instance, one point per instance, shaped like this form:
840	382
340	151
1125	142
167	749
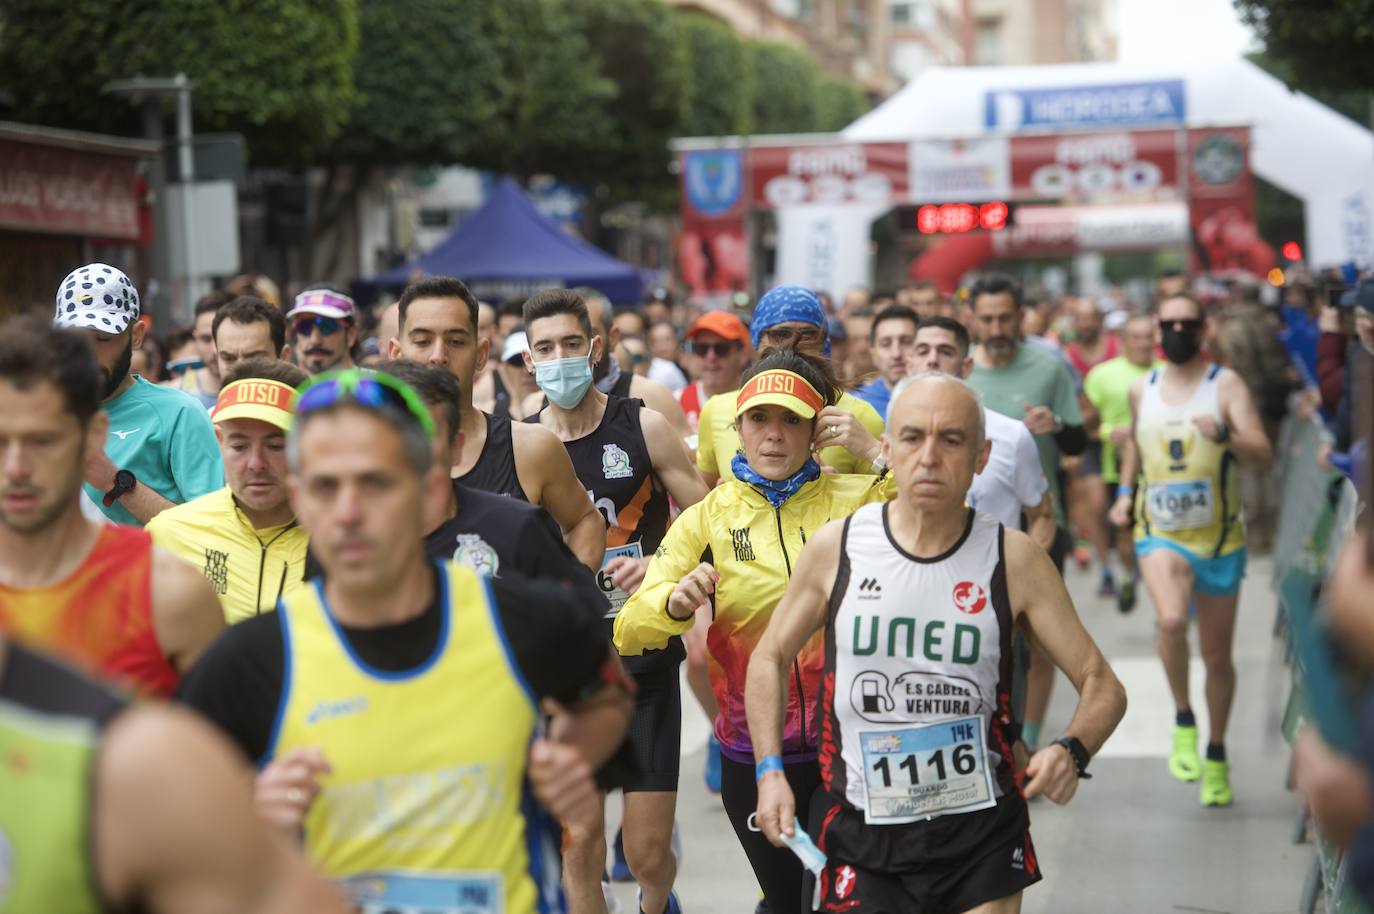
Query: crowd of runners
314	607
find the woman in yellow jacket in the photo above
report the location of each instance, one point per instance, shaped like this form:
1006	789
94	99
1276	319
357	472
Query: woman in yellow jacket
734	550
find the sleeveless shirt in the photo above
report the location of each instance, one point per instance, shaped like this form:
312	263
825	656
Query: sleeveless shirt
1188	488
101	615
916	694
494	470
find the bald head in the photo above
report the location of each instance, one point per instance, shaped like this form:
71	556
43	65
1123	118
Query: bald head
953	395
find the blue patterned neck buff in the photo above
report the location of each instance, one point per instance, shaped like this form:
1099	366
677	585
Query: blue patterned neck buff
776	491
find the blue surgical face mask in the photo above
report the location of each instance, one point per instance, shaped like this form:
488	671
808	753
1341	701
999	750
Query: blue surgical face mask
564	381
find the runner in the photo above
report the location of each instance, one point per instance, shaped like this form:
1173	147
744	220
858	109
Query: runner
921	807
113	816
99	594
790	317
891	338
1027	383
630	461
492	534
1108	386
1191	422
248	328
324	323
161	450
438	319
245	537
395	703
719	344
1011	485
1090	348
733	554
203	383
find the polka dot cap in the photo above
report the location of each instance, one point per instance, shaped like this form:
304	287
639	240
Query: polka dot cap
96	297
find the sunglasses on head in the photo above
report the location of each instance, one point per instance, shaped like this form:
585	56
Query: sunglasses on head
371	389
721	349
784	335
329	326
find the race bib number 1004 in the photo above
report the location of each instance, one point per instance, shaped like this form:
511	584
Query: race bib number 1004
922	772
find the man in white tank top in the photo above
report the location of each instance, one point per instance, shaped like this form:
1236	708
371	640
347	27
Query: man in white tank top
1191	421
922	807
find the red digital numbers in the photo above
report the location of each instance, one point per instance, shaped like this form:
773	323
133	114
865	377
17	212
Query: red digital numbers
957	218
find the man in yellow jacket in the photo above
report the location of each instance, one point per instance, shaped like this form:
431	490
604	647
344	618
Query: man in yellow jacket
244	536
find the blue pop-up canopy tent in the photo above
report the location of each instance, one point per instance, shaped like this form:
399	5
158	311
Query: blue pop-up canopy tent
508	247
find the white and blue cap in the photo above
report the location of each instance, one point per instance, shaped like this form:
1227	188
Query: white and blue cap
96	297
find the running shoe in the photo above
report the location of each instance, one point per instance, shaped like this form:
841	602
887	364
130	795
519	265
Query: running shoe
1216	783
1106	587
712	765
672	907
1184	763
620	869
1125	595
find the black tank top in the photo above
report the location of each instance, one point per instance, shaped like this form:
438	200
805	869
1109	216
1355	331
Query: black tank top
621	387
494	470
501	408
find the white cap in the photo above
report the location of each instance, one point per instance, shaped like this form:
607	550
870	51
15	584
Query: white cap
96	297
324	302
516	344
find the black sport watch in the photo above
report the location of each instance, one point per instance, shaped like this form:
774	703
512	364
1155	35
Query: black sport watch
124	483
1079	753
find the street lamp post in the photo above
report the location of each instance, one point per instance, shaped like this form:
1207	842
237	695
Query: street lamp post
148	92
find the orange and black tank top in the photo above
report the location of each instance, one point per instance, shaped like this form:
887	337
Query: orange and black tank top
100	616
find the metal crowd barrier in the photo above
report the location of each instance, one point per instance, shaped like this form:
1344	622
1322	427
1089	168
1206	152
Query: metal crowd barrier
1317	512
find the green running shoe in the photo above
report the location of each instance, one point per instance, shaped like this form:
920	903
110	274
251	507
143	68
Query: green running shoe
1184	763
1125	595
1216	783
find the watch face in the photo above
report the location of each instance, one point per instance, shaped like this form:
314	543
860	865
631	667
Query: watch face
124	479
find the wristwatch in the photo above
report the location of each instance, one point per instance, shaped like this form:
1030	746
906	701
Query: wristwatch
124	483
1079	753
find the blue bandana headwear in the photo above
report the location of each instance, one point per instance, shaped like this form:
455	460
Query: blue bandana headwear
784	304
776	491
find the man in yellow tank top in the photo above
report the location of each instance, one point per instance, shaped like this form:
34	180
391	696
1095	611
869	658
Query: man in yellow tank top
1191	421
395	703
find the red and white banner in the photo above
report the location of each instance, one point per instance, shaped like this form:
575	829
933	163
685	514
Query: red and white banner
43	189
1124	166
1051	230
863	174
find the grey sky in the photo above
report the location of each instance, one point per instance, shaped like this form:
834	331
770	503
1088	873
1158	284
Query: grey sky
1165	31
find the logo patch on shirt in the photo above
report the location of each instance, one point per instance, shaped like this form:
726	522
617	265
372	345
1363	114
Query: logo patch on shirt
328	709
845	877
217	570
870	589
744	550
970	598
1018	858
123	434
477	554
615	463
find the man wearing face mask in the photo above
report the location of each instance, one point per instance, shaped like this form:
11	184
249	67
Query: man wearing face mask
161	449
630	460
1191	422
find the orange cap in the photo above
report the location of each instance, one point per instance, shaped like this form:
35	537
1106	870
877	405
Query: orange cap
723	324
256	398
780	388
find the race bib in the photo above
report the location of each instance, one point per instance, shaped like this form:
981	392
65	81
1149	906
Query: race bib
922	772
426	893
614	595
1184	505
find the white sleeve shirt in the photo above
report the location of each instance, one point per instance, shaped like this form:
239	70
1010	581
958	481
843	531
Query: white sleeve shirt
1012	480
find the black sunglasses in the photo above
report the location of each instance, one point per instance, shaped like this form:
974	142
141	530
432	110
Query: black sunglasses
328	325
721	349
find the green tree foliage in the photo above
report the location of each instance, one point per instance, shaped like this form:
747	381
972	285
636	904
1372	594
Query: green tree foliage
784	84
1327	45
278	71
839	103
720	86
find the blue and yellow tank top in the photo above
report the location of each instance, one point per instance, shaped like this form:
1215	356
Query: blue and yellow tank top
428	807
1187	490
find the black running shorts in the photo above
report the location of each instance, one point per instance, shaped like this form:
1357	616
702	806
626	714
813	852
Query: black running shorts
656	730
942	866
